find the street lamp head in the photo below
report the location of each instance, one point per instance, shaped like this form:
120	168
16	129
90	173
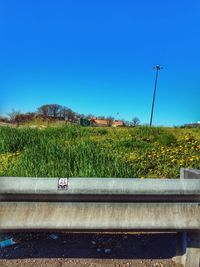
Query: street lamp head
158	67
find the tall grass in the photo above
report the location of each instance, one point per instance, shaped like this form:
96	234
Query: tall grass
96	152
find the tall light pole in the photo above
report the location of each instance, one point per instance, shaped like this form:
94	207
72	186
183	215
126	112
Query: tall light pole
157	68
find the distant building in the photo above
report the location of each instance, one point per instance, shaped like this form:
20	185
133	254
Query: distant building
118	123
106	123
100	123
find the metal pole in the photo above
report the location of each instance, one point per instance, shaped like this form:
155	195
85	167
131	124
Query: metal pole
154	94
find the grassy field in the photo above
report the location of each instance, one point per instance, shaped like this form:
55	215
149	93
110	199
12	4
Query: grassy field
76	151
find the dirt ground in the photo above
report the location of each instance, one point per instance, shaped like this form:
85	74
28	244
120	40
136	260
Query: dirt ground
94	250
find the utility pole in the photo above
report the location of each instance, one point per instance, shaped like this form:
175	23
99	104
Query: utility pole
157	68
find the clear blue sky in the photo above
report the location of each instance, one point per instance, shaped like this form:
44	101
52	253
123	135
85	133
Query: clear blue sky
96	56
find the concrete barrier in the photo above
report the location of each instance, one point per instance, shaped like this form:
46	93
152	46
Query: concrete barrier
188	173
106	204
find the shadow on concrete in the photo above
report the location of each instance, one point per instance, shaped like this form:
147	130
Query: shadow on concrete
87	245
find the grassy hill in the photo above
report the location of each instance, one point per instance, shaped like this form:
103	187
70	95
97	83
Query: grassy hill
77	151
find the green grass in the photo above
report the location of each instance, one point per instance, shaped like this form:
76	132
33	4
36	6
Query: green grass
98	152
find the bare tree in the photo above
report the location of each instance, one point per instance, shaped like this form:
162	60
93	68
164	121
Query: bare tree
50	110
135	121
101	118
13	114
68	114
110	120
43	110
55	110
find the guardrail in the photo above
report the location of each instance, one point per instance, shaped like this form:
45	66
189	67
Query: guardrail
106	204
